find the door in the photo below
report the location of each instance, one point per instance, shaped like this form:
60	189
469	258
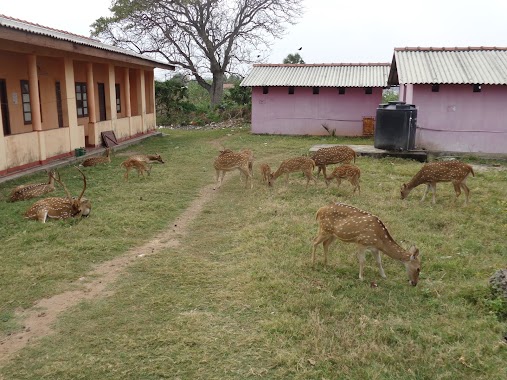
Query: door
5	108
102	102
59	104
368	126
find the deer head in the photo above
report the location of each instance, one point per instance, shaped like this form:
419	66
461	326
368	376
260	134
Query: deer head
413	266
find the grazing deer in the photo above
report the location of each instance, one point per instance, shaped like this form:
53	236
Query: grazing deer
340	154
134	163
352	225
296	164
148	158
60	208
433	172
349	172
229	160
23	192
265	172
98	160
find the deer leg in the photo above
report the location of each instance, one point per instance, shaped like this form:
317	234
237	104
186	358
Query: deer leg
434	191
378	259
286	179
326	245
426	192
466	190
324	170
361	257
319	239
457	188
42	216
338	182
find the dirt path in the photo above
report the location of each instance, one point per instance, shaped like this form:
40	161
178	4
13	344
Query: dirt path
38	320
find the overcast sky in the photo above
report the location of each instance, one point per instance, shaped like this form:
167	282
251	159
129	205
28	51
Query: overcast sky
330	31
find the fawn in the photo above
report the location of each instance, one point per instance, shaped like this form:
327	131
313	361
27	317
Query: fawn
23	192
134	163
228	160
433	172
148	158
92	161
265	172
61	208
340	154
349	172
296	164
352	225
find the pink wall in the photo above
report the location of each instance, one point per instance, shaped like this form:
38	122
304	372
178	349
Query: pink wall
304	113
457	119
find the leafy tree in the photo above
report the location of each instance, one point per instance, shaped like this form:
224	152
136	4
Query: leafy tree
202	36
294	59
389	95
172	98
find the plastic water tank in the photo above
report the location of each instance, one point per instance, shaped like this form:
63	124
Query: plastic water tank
395	126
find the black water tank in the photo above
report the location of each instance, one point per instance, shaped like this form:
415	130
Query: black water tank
395	126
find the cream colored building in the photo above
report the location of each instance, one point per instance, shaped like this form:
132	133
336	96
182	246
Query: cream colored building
59	91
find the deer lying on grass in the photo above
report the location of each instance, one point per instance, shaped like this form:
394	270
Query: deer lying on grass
134	163
433	172
92	161
296	164
352	225
340	154
148	158
229	160
349	172
60	208
265	172
23	192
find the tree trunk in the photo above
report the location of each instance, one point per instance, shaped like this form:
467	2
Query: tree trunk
217	88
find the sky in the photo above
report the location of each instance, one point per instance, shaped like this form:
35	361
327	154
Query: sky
330	31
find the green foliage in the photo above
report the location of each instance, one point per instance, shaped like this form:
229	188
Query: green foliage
172	100
389	95
239	95
293	59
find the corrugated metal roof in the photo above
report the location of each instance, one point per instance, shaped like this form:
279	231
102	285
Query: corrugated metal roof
319	75
26	26
469	65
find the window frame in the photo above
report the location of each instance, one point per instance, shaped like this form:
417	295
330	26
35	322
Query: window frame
117	90
79	102
291	90
341	90
265	90
315	90
435	88
368	90
23	83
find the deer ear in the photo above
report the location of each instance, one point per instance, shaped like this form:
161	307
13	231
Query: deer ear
414	252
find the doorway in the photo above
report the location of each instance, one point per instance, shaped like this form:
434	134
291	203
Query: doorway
5	108
102	102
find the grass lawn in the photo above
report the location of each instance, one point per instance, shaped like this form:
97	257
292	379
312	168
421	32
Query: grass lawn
238	298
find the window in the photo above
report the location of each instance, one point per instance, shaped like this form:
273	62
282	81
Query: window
118	97
435	88
265	90
25	97
316	90
368	90
341	90
477	88
291	90
81	99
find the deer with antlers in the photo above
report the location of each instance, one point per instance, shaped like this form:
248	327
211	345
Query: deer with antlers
434	172
92	161
228	160
59	207
352	225
134	163
148	158
348	172
340	154
295	164
23	192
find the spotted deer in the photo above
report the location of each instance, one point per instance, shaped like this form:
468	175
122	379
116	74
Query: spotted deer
228	160
352	225
349	172
148	158
60	208
296	164
23	192
340	154
92	161
265	172
434	172
134	163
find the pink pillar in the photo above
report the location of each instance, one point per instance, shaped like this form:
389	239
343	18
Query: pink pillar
128	109
33	81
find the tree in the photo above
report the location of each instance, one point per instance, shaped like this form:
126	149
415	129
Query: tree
294	59
202	36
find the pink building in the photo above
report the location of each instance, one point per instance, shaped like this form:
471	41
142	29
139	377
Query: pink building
300	99
60	91
460	95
